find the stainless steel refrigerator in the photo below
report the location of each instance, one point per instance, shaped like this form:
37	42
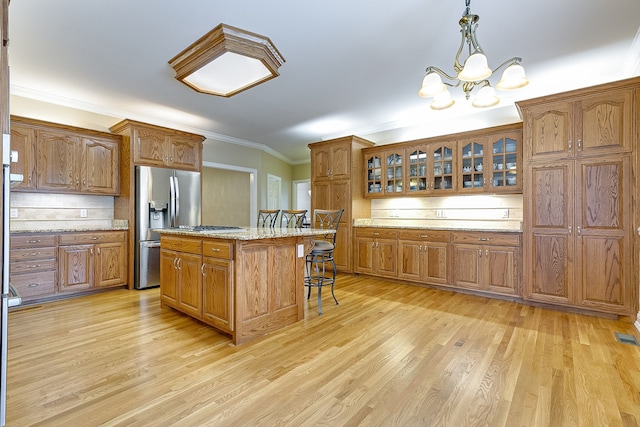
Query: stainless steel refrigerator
9	295
165	198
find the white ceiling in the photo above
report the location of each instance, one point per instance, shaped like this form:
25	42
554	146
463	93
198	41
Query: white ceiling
352	67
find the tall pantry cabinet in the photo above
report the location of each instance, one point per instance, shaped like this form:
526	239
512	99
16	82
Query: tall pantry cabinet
337	172
580	153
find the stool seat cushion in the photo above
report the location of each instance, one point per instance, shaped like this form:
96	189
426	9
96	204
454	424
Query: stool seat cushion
321	246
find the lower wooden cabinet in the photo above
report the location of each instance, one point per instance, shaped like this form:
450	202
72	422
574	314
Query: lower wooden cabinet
376	251
180	270
33	265
487	262
424	256
197	279
91	260
47	265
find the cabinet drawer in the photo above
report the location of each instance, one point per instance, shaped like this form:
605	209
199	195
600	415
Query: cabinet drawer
33	240
32	266
377	233
34	285
31	254
501	239
217	249
425	235
90	238
182	244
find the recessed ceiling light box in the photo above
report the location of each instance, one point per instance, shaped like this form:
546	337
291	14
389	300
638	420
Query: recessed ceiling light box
227	61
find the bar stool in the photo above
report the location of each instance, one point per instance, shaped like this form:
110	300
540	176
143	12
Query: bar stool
317	274
267	217
293	218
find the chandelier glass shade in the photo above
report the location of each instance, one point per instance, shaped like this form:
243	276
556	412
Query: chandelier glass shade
471	72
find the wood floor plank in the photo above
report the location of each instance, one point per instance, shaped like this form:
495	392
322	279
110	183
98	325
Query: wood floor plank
388	354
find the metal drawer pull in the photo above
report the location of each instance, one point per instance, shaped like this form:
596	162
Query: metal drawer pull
483	239
424	236
33	266
95	238
33	285
215	249
202	270
33	241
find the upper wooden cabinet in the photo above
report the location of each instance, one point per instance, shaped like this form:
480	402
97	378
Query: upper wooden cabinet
336	183
480	161
62	159
163	147
600	122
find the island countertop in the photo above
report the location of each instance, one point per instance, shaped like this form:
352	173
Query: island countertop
247	233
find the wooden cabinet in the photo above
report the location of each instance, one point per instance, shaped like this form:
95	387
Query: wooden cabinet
217	284
424	256
580	123
578	202
91	260
181	272
33	265
376	251
23	141
336	183
62	159
487	261
488	160
162	147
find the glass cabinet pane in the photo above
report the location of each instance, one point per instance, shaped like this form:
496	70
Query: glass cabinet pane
442	168
394	177
504	163
473	165
417	170
374	175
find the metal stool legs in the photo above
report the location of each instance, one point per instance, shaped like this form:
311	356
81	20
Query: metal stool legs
317	277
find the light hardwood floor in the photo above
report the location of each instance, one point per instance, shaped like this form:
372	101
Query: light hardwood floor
388	355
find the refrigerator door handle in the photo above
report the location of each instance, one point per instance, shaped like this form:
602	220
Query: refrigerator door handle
177	201
172	203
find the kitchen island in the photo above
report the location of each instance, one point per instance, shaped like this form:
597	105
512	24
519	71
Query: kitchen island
245	282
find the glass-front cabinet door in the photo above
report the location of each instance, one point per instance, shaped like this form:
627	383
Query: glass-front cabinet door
374	175
443	167
472	164
418	180
394	176
506	163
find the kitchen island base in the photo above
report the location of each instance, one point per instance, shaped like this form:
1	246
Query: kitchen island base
246	287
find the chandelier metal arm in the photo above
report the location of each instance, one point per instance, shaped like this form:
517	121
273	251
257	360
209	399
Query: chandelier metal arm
515	60
432	69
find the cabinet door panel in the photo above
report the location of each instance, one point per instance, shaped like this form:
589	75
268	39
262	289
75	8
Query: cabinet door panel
364	255
190	284
76	267
185	153
551	196
601	278
435	263
57	161
602	186
605	122
111	264
340	165
550	273
149	147
502	264
467	269
218	293
168	284
23	140
386	262
320	164
409	260
100	160
549	129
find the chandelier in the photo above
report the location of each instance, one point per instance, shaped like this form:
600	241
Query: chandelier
474	73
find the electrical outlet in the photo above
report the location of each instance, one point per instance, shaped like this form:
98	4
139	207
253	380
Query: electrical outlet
13	213
505	213
438	213
83	213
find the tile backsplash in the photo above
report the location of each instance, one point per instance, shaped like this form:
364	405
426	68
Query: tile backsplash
42	211
473	211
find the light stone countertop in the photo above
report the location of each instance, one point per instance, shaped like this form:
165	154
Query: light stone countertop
116	225
249	233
